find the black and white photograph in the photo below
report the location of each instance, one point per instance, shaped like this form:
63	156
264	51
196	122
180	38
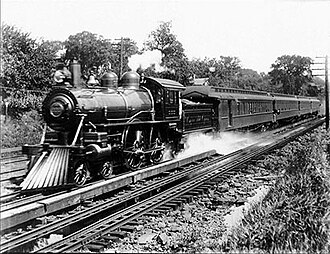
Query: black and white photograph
165	126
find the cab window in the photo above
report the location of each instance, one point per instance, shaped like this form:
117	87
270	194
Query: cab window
171	97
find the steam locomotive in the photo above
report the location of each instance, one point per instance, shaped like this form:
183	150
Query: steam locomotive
101	130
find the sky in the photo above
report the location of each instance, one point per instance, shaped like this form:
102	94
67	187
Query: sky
255	31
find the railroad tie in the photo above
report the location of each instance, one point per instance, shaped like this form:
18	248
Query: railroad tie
95	247
120	234
111	238
102	243
127	228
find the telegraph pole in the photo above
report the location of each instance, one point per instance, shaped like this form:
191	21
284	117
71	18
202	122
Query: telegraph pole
122	46
121	56
326	90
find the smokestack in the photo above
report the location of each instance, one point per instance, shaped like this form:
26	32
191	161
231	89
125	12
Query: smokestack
75	69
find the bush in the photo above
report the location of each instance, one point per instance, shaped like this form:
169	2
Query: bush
19	104
26	130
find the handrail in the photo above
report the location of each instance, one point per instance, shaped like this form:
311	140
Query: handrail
129	119
78	130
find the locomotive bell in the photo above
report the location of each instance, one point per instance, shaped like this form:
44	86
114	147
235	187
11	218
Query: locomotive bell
92	81
130	80
109	80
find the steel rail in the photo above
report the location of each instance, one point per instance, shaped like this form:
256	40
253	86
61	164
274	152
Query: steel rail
8	204
8	197
25	200
33	234
115	221
20	215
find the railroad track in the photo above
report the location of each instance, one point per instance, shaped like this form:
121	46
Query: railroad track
31	234
13	165
95	236
119	200
20	199
12	155
14	217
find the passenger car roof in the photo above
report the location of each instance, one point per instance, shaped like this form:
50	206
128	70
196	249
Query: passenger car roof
224	93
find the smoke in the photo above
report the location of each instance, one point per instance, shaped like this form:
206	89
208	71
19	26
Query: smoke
168	154
145	60
223	143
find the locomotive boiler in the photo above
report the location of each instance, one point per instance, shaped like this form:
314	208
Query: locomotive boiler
64	109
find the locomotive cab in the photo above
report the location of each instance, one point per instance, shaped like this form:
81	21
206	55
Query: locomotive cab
166	94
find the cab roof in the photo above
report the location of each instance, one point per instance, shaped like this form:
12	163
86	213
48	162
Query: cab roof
165	83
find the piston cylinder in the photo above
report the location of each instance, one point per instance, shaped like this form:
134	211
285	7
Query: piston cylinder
95	152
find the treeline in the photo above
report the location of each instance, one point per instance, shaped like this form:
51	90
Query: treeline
29	64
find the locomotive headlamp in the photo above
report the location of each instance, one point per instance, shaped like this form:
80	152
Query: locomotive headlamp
56	109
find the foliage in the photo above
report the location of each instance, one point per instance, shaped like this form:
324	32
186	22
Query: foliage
22	102
94	50
166	42
89	49
221	72
291	216
27	63
290	74
316	87
26	130
252	80
173	59
226	71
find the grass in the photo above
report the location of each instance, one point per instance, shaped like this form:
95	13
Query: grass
292	217
25	130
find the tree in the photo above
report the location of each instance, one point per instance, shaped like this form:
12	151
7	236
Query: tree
320	84
229	68
221	72
252	80
89	49
94	50
314	88
290	73
173	58
27	64
165	41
